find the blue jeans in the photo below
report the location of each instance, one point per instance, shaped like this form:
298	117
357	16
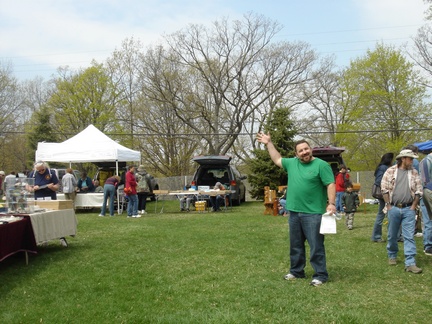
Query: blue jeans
406	218
283	204
377	229
339	207
217	202
304	227
132	207
109	192
426	208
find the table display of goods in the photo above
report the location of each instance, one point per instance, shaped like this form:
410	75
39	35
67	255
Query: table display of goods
19	196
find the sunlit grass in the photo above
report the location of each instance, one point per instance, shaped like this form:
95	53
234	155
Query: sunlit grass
208	268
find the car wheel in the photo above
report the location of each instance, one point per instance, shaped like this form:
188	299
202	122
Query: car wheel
236	202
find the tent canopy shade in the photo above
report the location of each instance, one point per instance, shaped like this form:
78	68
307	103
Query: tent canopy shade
90	145
424	147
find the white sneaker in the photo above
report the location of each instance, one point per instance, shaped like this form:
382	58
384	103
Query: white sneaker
143	212
136	216
100	215
316	283
63	242
290	276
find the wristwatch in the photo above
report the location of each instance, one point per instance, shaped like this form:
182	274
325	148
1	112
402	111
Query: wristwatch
387	203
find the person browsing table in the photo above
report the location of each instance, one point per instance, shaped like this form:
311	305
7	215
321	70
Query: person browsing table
109	190
132	207
85	184
46	185
218	200
69	184
46	182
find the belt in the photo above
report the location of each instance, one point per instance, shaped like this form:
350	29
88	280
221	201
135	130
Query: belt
402	205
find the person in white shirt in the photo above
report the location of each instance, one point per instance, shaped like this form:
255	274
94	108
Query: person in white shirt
69	184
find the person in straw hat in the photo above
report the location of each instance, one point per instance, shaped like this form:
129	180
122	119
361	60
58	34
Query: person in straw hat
402	189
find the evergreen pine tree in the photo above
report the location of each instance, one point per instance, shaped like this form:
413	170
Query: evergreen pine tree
42	131
263	172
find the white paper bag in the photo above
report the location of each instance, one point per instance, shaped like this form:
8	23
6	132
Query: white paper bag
328	224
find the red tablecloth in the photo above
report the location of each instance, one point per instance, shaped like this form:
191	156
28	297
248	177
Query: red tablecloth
16	237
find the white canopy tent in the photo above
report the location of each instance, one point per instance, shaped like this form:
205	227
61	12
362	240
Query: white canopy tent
91	145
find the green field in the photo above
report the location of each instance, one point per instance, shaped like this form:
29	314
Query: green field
209	268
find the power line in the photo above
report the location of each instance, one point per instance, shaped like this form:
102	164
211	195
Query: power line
375	131
351	30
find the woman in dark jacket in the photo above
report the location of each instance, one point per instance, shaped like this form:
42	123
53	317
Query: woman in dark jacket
85	184
386	161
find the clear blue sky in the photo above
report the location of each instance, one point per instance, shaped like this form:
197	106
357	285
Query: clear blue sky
38	36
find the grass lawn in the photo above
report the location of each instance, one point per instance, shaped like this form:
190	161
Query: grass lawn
209	268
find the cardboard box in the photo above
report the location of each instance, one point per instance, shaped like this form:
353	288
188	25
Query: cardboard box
54	204
356	186
160	192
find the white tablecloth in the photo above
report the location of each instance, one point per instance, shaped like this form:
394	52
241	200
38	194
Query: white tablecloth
87	200
54	224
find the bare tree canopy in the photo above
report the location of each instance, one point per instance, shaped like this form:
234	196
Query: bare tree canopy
423	51
216	79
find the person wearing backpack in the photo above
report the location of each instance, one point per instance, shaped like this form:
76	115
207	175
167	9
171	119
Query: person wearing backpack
342	178
143	188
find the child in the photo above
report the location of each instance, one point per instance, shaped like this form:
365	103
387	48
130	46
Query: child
282	204
350	203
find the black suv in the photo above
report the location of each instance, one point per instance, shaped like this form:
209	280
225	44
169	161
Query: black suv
331	154
216	168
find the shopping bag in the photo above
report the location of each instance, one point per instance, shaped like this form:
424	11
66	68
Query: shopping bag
127	190
328	224
376	192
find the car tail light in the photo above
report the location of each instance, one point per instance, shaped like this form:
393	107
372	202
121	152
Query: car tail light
233	183
193	183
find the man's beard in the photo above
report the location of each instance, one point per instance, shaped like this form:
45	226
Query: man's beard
306	158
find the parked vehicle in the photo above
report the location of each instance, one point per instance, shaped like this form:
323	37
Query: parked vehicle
331	154
217	168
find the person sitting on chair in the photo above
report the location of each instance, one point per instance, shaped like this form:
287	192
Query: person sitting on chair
98	187
218	200
85	184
